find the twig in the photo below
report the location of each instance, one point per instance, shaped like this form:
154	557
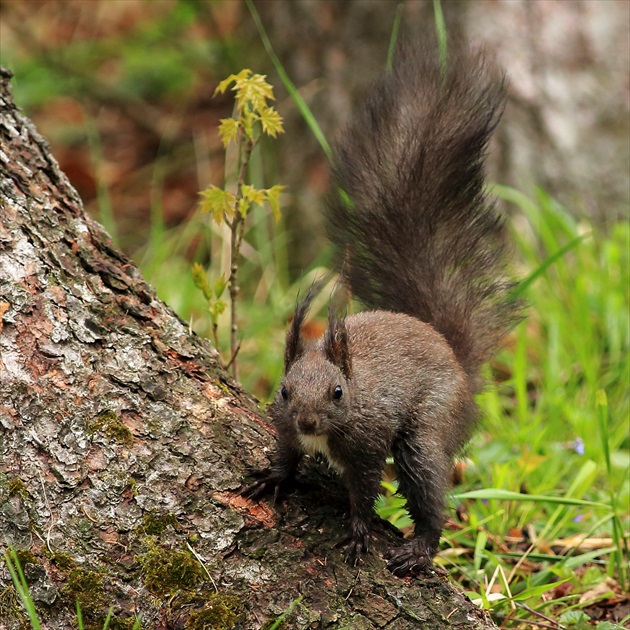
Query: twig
215	337
52	520
201	562
233	358
555	625
356	579
237	229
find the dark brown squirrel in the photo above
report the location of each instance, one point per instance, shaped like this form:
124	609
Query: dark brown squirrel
418	241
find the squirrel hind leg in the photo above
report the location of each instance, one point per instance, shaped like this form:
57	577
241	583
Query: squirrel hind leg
422	479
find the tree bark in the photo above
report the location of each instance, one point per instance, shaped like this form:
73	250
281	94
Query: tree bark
123	447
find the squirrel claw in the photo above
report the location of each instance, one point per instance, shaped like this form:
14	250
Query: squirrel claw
261	486
254	490
408	559
356	546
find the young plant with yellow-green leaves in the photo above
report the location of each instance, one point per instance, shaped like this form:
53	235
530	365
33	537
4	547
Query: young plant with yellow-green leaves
253	117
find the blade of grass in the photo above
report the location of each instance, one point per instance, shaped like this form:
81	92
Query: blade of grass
514	196
621	542
442	37
108	618
509	495
105	208
278	623
394	36
289	85
480	548
581	483
21	586
519	376
534	591
571	563
522	286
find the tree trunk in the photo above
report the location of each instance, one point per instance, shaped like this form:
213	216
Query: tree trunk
123	447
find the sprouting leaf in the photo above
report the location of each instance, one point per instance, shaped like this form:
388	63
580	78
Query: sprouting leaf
253	195
200	280
254	90
219	286
273	198
228	130
218	202
216	309
271	121
243	206
249	196
233	78
247	121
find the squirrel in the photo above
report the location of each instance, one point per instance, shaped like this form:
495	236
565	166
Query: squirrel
420	244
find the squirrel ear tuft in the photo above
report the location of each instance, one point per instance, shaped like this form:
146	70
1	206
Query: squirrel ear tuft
336	344
295	346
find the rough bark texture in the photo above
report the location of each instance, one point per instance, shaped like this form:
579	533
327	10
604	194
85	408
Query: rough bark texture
123	447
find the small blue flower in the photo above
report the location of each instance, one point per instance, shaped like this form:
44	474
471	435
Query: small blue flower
578	445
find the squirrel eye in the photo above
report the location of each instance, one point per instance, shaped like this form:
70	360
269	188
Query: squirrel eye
337	392
284	393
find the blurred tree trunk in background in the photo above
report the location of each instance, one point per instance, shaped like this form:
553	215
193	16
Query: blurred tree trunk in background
123	448
567	123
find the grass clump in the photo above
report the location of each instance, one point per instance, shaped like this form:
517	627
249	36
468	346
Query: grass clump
553	453
21	587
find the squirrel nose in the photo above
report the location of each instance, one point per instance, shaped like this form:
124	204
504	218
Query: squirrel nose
307	423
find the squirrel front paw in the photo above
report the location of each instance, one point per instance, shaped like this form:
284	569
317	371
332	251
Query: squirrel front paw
356	542
413	557
268	479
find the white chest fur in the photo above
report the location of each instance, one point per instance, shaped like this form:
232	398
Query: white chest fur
313	444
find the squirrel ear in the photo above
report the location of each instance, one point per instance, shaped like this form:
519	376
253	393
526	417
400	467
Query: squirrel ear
294	347
336	345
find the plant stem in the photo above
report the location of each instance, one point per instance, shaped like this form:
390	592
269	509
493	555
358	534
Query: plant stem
234	289
237	228
215	337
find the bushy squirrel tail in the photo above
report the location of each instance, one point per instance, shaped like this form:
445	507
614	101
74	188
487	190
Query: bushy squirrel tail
412	227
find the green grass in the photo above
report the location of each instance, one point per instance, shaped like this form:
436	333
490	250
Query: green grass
553	453
21	586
